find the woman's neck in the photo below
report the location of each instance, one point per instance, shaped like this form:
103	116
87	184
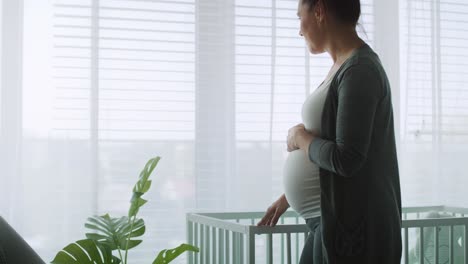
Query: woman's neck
342	42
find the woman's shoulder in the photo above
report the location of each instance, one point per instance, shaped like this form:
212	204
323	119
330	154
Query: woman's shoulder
365	70
363	60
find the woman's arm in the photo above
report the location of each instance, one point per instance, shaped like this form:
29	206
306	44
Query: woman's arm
274	212
359	93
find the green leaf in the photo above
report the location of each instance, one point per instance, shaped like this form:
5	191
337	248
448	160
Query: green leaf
115	231
136	203
146	187
85	251
131	244
168	255
141	187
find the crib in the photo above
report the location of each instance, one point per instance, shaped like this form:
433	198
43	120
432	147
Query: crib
429	233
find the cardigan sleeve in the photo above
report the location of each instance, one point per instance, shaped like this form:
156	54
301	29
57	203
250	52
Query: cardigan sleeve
359	93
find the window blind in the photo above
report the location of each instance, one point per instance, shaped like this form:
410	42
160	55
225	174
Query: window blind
1	70
434	80
419	102
453	72
128	64
253	60
453	80
435	127
124	84
72	68
420	89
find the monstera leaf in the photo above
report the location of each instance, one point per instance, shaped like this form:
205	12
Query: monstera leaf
114	232
142	186
168	255
85	251
117	233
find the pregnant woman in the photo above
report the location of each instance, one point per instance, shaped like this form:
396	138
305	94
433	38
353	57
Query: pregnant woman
342	173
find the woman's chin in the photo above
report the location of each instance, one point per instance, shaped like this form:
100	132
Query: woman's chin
316	51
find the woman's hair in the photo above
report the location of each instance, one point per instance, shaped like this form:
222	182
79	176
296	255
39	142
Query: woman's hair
347	11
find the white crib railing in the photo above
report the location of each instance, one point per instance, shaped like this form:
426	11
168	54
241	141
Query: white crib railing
429	232
234	238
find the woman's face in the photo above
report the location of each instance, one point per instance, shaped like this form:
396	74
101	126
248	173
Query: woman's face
312	22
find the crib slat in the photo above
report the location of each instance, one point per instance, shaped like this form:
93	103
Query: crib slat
297	242
202	244
241	248
288	247
197	243
235	252
235	236
269	249
221	245
214	243
421	245
226	247
282	243
436	243
451	244
464	244
282	248
207	245
190	239
406	246
250	248
251	245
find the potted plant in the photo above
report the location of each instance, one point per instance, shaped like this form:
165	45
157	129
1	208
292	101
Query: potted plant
111	235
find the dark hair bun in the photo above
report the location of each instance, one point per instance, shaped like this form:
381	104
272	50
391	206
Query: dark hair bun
347	11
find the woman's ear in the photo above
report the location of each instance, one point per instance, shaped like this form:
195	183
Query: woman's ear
319	11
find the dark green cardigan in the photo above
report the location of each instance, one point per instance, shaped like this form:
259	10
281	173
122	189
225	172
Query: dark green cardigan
360	199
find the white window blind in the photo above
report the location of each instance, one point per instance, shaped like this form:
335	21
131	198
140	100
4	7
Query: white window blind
72	68
216	189
434	80
126	68
419	94
419	74
253	60
124	85
1	64
453	99
453	71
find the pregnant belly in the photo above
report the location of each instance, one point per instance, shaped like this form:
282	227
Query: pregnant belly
302	184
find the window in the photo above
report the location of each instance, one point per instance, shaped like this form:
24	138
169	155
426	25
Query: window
434	83
126	68
108	84
210	86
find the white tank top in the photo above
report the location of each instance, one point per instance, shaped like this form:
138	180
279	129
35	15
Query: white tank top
300	175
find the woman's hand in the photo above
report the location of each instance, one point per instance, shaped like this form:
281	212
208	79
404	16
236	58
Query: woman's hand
299	138
292	135
274	212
